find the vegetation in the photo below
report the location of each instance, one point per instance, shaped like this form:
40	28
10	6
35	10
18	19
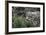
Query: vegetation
21	22
19	19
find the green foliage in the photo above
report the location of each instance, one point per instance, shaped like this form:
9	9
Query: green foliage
19	17
19	22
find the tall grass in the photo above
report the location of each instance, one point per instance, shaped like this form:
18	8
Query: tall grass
20	22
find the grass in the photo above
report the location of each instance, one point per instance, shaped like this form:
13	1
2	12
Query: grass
20	22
